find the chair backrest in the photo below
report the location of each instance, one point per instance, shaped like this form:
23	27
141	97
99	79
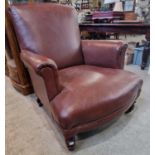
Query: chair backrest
48	29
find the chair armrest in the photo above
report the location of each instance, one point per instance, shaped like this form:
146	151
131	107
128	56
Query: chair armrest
37	62
44	67
109	54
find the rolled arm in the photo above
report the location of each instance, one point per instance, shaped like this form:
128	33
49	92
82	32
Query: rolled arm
44	67
109	54
37	62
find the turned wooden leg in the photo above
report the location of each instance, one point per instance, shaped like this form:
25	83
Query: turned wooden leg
70	142
130	109
39	102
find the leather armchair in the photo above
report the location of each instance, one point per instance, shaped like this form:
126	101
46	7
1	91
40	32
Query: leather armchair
81	84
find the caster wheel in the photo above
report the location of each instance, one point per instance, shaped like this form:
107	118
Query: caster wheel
130	109
70	143
39	102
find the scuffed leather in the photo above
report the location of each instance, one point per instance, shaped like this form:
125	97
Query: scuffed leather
109	54
48	30
91	93
44	67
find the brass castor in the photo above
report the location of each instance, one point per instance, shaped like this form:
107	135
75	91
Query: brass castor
39	102
130	109
70	143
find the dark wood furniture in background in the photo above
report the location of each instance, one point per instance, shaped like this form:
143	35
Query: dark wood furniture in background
14	67
118	28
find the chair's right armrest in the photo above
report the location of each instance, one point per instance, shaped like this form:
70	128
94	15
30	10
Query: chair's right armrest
104	53
45	68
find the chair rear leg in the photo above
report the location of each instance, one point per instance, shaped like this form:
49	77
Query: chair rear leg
39	102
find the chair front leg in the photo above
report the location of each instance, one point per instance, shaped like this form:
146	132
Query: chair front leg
70	142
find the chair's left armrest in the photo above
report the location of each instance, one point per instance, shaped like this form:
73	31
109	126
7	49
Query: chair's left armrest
37	62
44	67
109	54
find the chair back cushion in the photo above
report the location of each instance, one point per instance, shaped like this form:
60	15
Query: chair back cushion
48	29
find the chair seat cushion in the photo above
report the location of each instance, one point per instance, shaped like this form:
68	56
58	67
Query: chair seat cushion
90	93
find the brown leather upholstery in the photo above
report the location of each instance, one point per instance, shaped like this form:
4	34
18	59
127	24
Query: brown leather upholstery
80	83
64	47
44	67
87	95
112	56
